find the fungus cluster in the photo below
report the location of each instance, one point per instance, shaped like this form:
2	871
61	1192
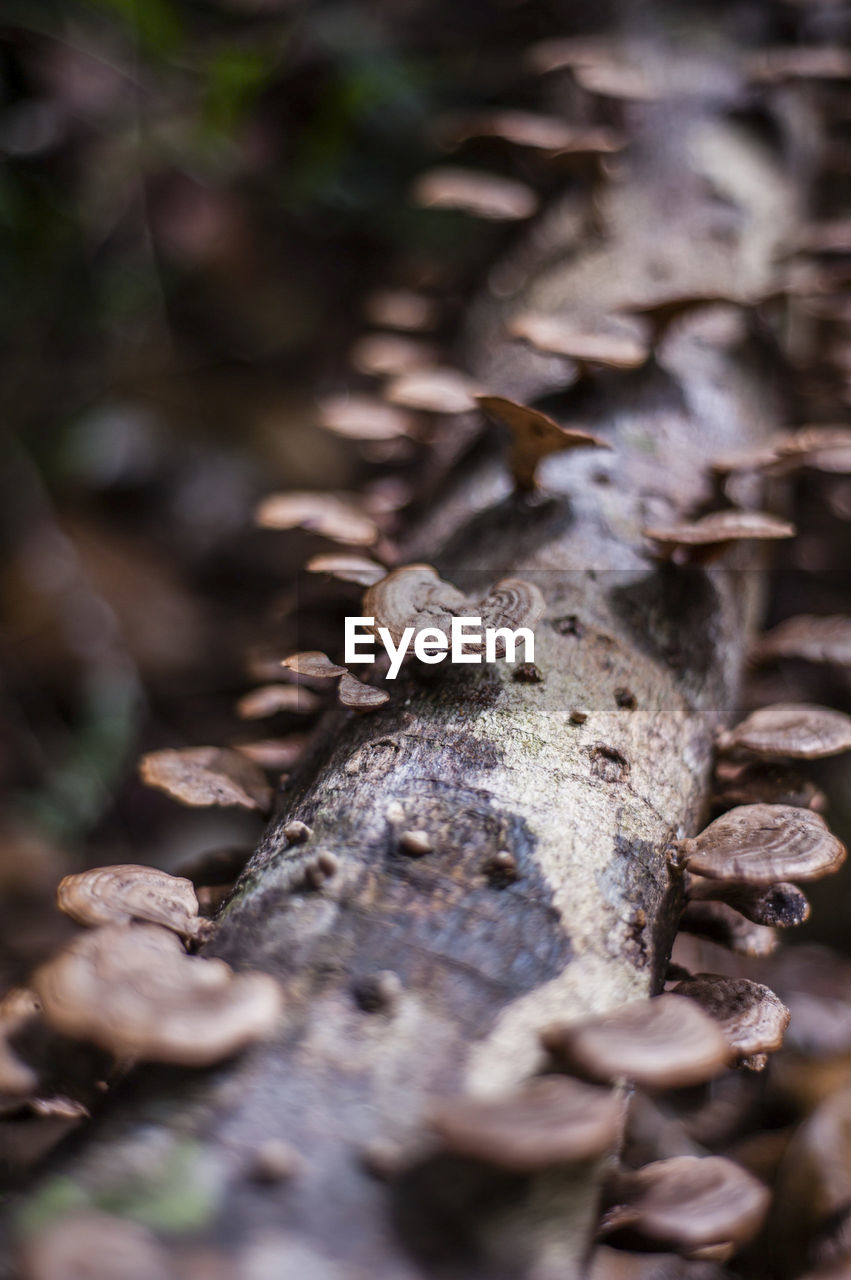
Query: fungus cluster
351	692
416	597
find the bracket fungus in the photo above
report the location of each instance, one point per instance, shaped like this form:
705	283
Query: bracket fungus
700	541
534	436
314	663
665	308
764	843
689	1202
416	596
18	1006
549	1121
479	194
351	692
751	1016
362	417
270	699
433	390
334	518
798	62
550	134
817	639
124	892
779	906
563	336
357	569
402	309
619	80
764	782
133	990
201	776
662	1043
386	355
790	730
719	923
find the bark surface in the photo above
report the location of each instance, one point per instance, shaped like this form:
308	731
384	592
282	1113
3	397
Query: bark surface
484	763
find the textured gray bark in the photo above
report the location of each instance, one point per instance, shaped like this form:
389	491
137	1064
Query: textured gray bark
485	763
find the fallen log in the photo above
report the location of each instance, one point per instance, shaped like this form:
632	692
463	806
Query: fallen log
548	800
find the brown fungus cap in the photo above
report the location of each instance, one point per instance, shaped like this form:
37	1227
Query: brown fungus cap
323	513
764	843
270	699
133	990
357	569
433	390
351	692
534	436
362	417
94	1246
315	663
17	1079
689	1202
274	753
817	639
124	892
527	129
202	776
799	62
710	534
662	1043
562	336
719	923
481	195
549	1121
791	730
750	1015
560	53
402	309
779	906
764	782
618	80
386	355
416	596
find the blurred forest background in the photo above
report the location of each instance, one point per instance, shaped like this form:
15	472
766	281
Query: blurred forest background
195	200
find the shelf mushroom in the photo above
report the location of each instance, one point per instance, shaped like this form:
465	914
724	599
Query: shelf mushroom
534	436
134	991
362	417
416	596
780	905
719	923
436	389
763	844
549	1121
701	541
791	730
688	1202
338	519
478	194
345	568
199	776
816	639
751	1016
619	348
125	892
662	1043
